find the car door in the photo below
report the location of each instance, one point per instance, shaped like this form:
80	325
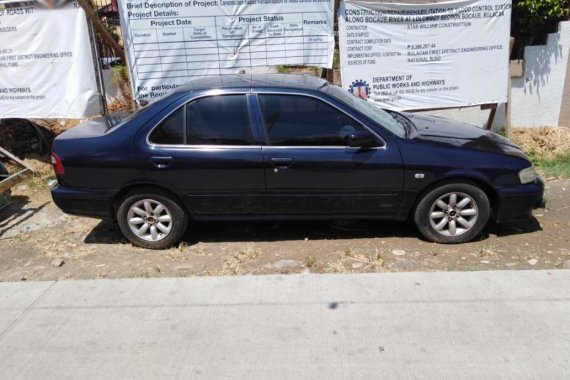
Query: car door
311	171
206	151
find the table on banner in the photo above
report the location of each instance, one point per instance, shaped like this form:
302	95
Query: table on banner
212	45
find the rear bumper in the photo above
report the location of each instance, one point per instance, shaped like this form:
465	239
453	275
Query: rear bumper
516	202
93	203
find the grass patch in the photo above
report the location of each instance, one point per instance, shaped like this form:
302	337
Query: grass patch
552	167
547	147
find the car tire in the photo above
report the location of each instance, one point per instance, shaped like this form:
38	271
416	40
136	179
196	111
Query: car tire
452	213
152	218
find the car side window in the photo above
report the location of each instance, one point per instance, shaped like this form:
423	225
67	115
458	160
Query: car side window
296	120
218	120
170	131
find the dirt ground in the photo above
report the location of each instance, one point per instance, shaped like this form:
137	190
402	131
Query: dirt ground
39	242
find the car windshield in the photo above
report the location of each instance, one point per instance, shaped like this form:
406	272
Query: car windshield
368	109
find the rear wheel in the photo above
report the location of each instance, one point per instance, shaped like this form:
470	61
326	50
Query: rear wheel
151	218
452	213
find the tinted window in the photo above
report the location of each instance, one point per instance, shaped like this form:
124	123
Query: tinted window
171	130
218	120
368	109
304	121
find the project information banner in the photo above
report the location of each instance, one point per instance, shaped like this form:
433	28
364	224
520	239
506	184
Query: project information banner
169	42
46	65
420	56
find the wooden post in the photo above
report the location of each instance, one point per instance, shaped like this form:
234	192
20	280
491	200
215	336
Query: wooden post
491	117
100	28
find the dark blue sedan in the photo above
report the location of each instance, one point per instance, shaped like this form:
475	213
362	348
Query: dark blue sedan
277	147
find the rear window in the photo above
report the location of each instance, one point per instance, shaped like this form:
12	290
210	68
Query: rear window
213	120
218	120
171	130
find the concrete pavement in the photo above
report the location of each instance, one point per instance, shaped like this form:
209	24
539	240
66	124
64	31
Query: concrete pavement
470	325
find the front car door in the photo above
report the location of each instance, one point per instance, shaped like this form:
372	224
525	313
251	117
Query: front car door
311	171
206	151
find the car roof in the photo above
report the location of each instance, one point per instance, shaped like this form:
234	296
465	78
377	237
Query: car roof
233	81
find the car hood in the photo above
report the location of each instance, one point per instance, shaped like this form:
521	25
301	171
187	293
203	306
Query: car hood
438	130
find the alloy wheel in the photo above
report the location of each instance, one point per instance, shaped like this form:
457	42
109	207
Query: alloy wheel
149	220
453	214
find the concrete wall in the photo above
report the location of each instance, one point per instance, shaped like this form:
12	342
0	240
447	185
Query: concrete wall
537	97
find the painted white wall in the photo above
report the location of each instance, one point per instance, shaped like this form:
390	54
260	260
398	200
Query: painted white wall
536	97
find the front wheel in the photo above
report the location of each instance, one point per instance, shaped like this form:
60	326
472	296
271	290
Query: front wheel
452	213
152	219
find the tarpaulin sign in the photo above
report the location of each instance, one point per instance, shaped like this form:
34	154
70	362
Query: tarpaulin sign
169	41
421	56
46	64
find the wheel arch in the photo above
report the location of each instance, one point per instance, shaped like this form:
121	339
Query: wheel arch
491	193
150	186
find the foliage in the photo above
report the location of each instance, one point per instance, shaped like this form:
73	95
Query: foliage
336	59
533	19
120	74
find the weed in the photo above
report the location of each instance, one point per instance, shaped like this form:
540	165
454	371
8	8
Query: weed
251	252
310	261
177	251
376	260
232	266
375	256
486	249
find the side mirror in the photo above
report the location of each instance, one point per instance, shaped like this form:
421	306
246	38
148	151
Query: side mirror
361	139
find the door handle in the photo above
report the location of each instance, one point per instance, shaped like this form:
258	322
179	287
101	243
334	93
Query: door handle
161	162
282	162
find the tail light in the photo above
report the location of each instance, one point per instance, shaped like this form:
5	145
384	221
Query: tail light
57	164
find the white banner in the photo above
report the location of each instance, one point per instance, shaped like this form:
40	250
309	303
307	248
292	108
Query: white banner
170	41
46	65
421	56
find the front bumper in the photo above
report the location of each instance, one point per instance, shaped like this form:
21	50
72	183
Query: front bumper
516	202
93	203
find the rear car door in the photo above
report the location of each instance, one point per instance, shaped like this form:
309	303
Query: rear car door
206	151
311	171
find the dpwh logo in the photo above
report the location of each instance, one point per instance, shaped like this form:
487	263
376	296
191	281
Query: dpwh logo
360	88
